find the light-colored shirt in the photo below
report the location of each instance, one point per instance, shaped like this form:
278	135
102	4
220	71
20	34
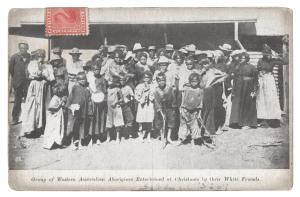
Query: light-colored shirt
47	70
74	68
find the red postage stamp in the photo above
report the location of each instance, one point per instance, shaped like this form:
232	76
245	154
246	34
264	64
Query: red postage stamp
67	21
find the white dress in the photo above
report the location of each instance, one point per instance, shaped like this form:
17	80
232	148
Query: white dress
145	111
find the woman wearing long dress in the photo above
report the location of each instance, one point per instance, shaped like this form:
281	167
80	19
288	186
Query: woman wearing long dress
213	112
243	110
38	95
268	106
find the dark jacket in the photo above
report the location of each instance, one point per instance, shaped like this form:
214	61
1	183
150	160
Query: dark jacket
17	68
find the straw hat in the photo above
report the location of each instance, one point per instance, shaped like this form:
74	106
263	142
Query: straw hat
225	47
190	48
111	49
152	48
169	47
137	46
163	60
75	51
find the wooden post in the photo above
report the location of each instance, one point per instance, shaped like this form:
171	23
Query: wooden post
165	34
49	48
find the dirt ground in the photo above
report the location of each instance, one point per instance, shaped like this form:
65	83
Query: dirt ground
262	148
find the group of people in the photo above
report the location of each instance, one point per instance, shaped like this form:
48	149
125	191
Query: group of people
184	94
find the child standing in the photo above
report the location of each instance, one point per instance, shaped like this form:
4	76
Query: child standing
78	103
127	105
114	110
145	112
55	124
98	87
165	104
191	109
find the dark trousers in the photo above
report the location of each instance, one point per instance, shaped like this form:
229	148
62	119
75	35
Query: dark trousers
19	92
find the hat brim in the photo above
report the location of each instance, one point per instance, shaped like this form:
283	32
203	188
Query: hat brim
224	49
138	49
75	53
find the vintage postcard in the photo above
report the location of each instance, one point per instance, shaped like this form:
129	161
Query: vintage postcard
150	98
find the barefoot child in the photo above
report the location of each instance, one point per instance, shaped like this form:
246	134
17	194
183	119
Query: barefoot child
78	119
127	105
55	124
145	112
165	104
114	110
98	87
190	109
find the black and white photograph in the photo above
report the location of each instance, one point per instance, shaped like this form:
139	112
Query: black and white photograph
120	89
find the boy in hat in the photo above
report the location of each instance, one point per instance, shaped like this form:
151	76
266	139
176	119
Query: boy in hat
165	104
74	66
17	69
226	50
162	65
79	102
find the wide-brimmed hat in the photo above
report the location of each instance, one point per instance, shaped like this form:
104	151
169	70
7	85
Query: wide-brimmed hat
237	52
163	60
137	46
111	49
55	57
190	48
183	50
75	51
225	47
266	49
169	47
152	48
57	50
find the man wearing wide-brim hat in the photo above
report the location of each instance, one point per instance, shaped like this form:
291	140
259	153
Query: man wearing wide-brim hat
151	51
138	48
226	50
169	50
74	66
17	69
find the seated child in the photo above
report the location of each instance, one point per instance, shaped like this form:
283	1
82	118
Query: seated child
127	105
191	109
55	124
114	111
79	103
165	104
98	88
145	111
